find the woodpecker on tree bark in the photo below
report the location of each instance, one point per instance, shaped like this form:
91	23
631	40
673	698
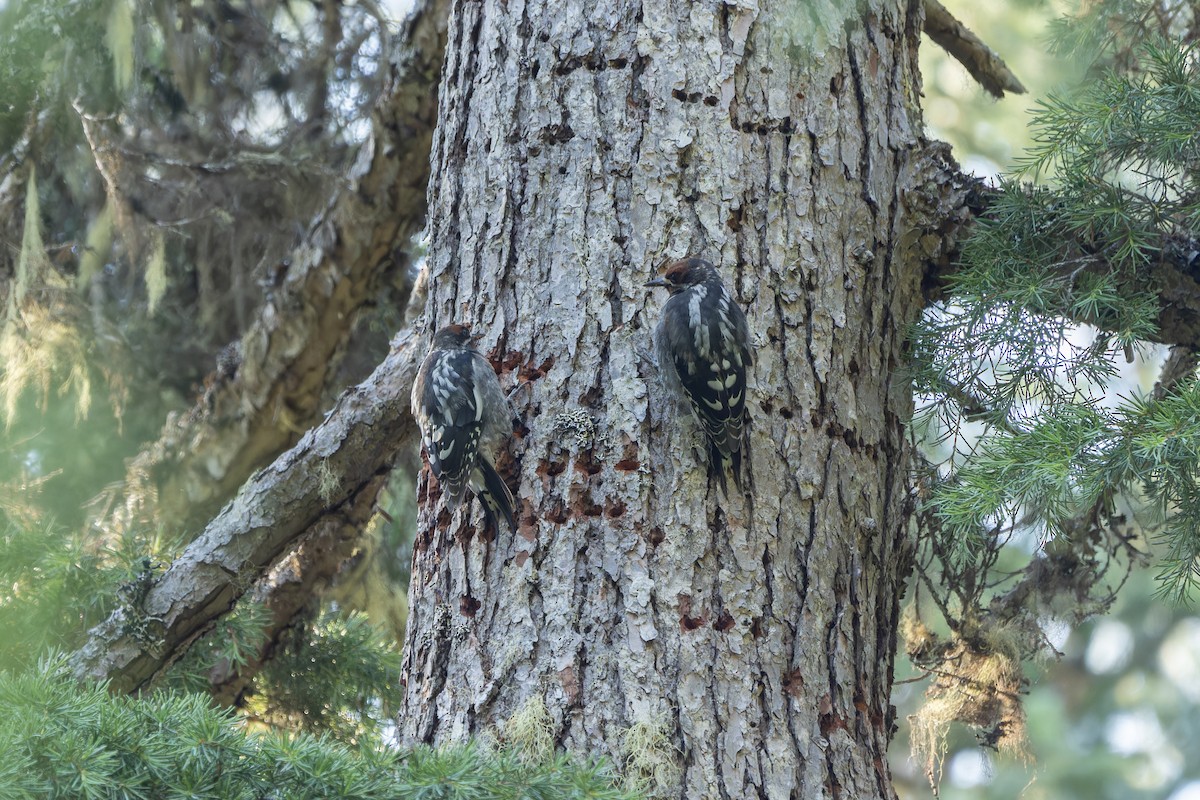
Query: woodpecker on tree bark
703	346
463	416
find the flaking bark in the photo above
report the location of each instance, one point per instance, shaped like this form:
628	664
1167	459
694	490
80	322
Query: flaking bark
580	146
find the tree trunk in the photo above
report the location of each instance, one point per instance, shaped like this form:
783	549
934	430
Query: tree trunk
579	146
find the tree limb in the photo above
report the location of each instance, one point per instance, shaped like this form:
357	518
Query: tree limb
945	202
320	493
290	588
1180	364
969	50
268	390
338	559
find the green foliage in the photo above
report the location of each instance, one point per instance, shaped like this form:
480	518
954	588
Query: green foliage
50	52
1008	350
338	675
1016	369
1053	471
987	134
1123	152
54	586
233	642
173	146
1050	470
1005	345
1108	32
469	773
64	739
1158	451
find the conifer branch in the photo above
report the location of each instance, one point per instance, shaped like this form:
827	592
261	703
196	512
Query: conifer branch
962	199
290	588
286	503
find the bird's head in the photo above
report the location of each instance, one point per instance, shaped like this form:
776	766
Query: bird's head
455	335
684	274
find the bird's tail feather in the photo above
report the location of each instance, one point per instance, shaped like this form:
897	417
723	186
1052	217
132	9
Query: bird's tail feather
497	499
719	463
725	463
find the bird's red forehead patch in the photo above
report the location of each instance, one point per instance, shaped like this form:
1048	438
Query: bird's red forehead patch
677	270
459	328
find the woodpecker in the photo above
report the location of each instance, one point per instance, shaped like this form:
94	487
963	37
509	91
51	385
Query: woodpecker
463	416
703	346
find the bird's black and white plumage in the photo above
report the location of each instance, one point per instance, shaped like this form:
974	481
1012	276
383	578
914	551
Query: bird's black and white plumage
703	346
463	416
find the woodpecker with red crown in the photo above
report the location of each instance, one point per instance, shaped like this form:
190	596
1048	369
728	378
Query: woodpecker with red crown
463	416
703	345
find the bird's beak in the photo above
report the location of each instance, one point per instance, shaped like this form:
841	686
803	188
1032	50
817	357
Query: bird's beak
659	281
475	337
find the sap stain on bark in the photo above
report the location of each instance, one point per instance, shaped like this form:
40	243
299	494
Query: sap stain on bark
557	514
570	684
582	504
686	97
629	458
687	622
511	361
737	216
527	520
559	133
793	684
549	469
468	605
587	464
530	372
466	532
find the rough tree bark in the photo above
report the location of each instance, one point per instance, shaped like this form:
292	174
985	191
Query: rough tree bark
579	145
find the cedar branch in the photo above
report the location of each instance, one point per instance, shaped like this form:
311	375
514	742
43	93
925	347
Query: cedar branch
946	202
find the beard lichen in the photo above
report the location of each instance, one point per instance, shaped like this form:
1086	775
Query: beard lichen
977	681
529	732
651	760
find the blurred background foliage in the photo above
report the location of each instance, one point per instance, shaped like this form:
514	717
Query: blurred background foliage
1113	714
159	162
172	155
